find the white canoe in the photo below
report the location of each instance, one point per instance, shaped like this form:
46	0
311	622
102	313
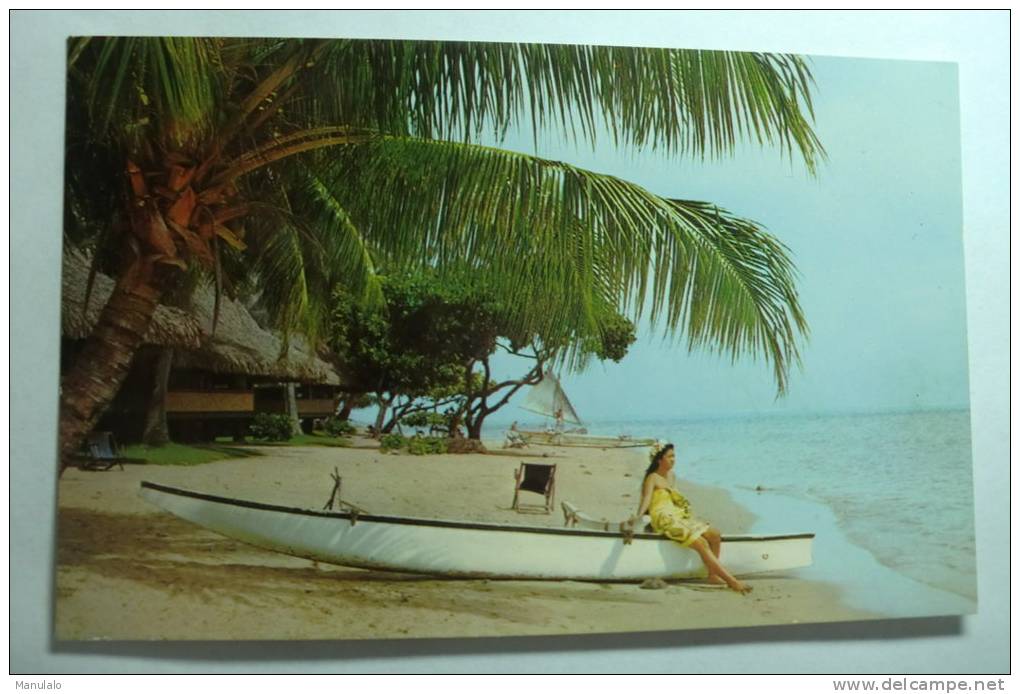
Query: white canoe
554	438
467	549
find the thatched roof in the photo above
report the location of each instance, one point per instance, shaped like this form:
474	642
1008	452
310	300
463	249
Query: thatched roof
171	327
239	345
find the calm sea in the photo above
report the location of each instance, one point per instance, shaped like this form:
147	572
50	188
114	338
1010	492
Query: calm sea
899	485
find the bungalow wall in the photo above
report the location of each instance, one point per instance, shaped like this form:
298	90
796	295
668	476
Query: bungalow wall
313	401
201	405
204	405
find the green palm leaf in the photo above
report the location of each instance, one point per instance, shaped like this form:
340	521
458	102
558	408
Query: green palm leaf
255	116
681	101
563	244
305	245
166	89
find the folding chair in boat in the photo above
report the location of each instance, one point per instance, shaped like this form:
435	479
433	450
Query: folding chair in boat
538	478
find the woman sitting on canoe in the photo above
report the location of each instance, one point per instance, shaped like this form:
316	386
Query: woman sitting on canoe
671	516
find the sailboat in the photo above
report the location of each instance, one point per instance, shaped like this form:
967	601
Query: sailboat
548	399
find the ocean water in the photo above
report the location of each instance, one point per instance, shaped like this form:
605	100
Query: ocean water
898	484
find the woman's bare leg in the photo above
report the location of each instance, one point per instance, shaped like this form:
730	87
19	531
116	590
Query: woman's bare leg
714	540
715	568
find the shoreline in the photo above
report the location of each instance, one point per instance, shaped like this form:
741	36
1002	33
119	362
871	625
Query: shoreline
865	580
893	519
967	593
126	570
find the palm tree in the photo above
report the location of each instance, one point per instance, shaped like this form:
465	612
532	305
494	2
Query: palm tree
310	162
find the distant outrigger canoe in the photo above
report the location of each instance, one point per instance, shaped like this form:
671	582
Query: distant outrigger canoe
548	399
556	438
471	550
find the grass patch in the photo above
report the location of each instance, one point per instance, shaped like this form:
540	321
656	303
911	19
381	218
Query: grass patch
302	440
180	454
221	449
309	440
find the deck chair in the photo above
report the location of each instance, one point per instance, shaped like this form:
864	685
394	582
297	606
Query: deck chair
103	452
537	478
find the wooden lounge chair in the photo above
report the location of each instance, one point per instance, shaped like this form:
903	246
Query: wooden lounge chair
538	478
103	453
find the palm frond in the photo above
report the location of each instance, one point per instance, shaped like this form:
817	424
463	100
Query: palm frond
681	101
564	244
139	89
305	245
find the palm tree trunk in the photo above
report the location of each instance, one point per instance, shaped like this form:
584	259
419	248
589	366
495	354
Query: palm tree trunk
90	384
292	409
156	432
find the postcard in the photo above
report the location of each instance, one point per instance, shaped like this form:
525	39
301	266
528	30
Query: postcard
368	339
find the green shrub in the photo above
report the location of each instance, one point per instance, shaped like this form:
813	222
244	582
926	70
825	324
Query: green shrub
392	442
415	419
334	426
415	445
271	427
423	420
426	445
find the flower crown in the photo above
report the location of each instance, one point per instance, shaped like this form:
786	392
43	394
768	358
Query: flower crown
656	449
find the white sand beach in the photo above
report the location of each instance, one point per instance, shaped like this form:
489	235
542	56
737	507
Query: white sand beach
127	570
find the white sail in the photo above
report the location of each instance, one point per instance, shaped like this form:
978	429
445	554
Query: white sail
547	397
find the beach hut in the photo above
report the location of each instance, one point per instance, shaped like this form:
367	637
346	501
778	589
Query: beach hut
219	379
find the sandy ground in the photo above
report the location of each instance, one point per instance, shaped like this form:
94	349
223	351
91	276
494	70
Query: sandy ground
126	570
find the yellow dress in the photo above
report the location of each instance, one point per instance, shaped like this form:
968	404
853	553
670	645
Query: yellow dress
671	516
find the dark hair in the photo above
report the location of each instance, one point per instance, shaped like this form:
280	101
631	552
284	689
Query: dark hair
656	458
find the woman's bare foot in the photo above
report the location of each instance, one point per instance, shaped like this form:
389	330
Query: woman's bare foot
716	580
741	588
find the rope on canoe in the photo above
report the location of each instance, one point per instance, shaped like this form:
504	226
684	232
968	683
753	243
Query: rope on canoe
335	502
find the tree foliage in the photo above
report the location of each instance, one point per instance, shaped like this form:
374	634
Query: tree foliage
287	166
610	340
428	348
410	342
324	159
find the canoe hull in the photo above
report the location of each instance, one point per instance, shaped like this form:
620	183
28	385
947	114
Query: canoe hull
552	438
468	550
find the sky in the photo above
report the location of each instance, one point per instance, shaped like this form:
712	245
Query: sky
876	236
